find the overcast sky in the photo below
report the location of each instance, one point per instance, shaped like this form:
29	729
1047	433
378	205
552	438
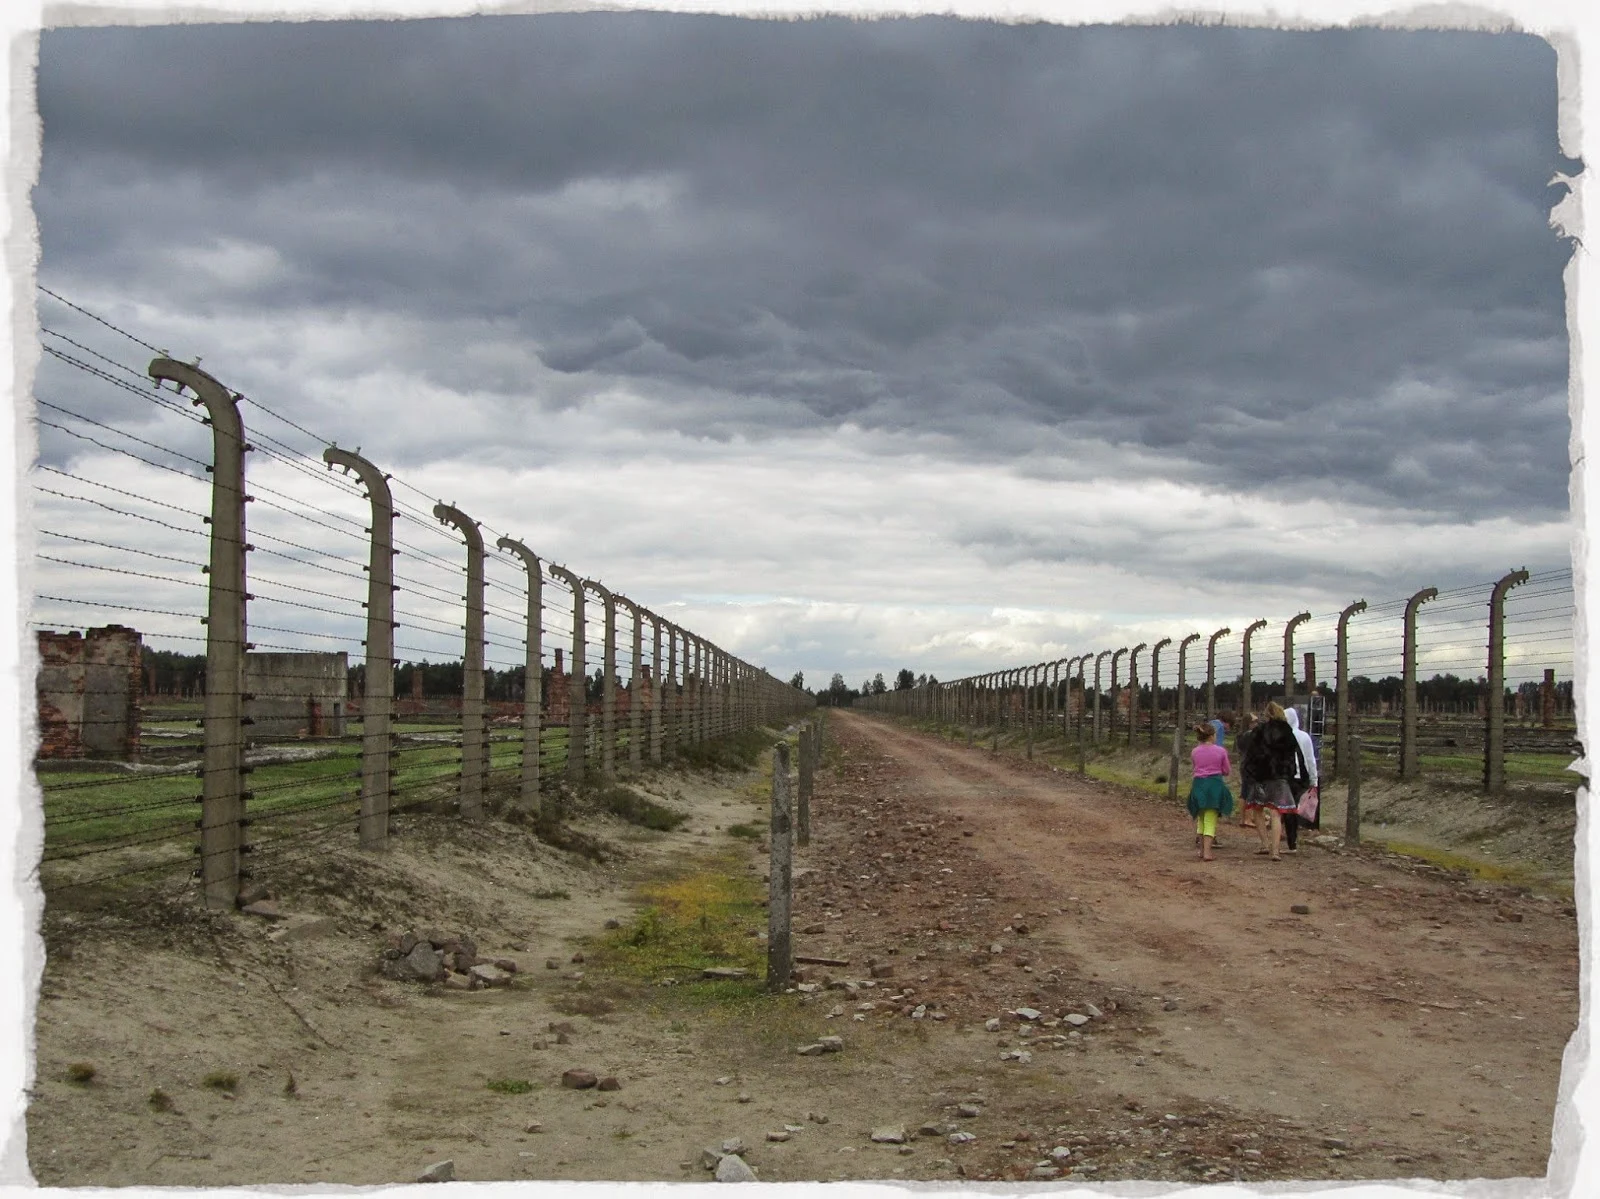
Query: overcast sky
863	345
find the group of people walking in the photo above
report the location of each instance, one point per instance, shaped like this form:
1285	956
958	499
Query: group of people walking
1277	779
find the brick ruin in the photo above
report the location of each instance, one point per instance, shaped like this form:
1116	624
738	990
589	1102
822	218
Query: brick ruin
88	688
297	694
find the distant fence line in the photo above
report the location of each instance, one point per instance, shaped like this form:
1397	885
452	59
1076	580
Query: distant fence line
106	527
1087	694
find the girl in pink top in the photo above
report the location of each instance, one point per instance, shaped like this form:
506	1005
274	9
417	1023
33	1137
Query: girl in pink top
1209	793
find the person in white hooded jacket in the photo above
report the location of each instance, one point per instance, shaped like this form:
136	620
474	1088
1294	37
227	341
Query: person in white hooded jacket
1302	783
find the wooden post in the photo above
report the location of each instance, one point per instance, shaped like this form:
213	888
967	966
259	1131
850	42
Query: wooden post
1352	802
808	750
780	875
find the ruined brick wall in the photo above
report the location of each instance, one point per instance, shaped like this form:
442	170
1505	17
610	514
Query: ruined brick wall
88	689
297	694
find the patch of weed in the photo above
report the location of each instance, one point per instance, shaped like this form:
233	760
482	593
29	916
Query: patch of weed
737	751
753	832
81	1073
636	809
160	1101
510	1086
553	893
221	1080
696	920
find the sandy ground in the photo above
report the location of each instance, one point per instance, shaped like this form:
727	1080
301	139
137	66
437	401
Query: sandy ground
1411	1025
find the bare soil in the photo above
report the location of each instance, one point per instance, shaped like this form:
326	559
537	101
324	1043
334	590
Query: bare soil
1411	1025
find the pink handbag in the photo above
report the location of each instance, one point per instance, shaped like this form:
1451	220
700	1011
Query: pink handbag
1308	805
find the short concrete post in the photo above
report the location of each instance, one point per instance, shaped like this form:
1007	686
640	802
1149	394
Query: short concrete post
532	673
1155	688
1211	673
1352	802
1341	686
1246	690
1174	761
808	751
577	685
1408	682
780	875
1494	703
474	729
377	699
222	796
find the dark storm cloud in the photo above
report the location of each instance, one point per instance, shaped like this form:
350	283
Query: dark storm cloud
1317	261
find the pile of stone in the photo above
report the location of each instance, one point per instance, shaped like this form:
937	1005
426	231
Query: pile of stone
433	956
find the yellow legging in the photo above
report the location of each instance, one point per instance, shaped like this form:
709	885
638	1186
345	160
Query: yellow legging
1206	823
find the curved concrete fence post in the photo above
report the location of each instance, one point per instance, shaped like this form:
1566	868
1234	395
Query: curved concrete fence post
222	794
1408	679
532	671
1246	690
1494	703
1341	689
1211	672
474	729
635	690
1294	622
577	683
1067	722
608	684
377	693
672	712
1116	697
1181	716
1098	658
1133	691
657	688
1155	687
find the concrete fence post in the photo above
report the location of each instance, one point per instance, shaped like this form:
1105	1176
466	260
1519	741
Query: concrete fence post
1408	682
635	691
532	672
1341	685
1494	704
1133	691
1155	688
1098	659
658	689
1181	717
1211	673
608	685
808	764
474	729
1246	689
1352	801
577	684
1174	764
1116	697
377	698
780	875
222	798
1083	711
1288	654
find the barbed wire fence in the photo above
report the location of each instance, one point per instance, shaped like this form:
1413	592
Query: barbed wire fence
1432	708
382	669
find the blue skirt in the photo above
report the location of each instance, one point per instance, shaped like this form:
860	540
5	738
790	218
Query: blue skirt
1208	793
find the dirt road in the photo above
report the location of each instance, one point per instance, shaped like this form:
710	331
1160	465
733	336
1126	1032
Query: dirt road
1409	1009
1177	1020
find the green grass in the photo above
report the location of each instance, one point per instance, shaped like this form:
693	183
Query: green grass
81	1073
555	893
703	918
221	1080
749	831
510	1086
